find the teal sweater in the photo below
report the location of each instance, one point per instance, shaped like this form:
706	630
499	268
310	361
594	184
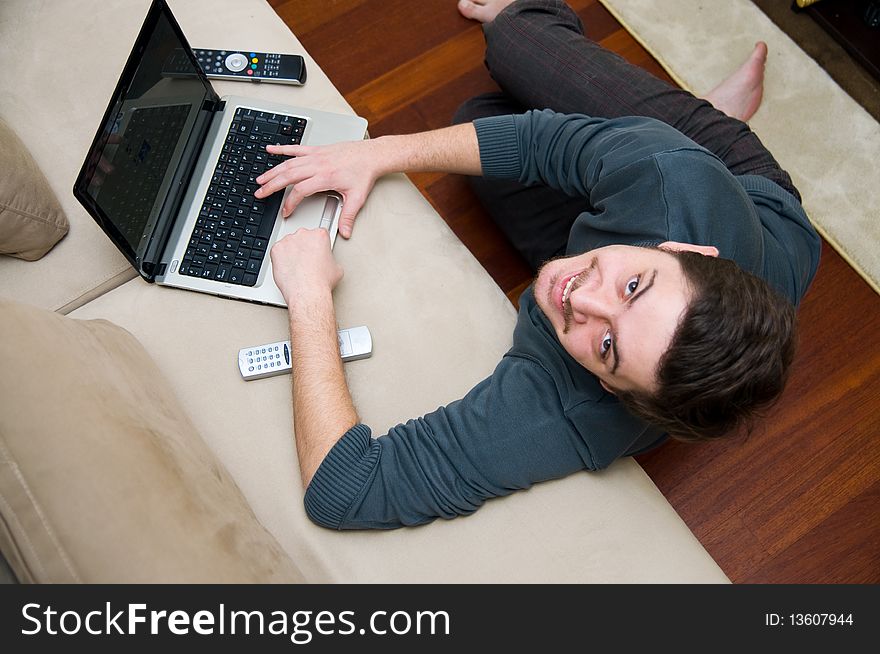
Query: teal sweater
540	415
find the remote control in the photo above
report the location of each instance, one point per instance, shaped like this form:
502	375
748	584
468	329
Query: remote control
252	66
274	358
242	65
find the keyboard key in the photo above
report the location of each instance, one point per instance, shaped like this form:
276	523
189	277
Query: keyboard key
223	271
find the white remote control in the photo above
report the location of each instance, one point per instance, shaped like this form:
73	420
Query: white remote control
274	358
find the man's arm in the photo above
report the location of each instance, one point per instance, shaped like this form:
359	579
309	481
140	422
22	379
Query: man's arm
573	153
351	168
306	274
509	432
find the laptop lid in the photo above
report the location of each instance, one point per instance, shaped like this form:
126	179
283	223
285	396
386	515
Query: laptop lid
140	161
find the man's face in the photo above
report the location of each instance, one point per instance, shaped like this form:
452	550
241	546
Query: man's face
615	310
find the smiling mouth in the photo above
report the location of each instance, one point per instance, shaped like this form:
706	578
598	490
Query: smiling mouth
570	286
567	289
565	306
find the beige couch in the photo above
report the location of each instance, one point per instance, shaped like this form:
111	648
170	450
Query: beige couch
143	456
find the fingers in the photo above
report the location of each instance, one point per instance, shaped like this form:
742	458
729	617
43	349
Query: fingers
302	262
288	150
278	177
313	169
299	192
350	209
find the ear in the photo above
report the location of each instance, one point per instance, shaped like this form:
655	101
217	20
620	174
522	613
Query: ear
705	250
607	387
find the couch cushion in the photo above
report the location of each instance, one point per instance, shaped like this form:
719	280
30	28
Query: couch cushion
55	109
439	325
31	220
102	476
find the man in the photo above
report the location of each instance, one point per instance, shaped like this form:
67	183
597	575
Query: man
670	314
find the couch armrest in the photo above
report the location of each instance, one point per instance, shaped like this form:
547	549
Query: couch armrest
103	477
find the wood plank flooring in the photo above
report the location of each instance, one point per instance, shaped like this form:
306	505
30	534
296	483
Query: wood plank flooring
796	501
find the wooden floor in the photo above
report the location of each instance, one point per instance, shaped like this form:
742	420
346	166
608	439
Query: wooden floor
797	501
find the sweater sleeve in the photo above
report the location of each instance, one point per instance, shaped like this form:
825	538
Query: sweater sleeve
506	434
570	152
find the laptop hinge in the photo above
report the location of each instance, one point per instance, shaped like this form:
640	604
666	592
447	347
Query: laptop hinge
152	264
212	106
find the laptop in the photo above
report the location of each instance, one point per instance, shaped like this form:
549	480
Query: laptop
170	175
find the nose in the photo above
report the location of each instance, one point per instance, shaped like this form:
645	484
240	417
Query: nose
597	302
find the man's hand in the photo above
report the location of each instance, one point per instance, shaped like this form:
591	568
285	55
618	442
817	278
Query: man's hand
352	168
349	168
303	265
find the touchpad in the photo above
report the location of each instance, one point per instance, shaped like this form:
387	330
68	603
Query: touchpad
314	211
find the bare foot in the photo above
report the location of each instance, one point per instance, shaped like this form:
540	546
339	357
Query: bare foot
739	96
482	10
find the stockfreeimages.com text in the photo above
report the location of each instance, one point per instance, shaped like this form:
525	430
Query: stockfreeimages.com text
300	626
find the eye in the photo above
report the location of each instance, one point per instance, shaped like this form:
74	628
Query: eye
632	285
606	345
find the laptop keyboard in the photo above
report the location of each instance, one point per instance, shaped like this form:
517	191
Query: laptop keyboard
229	241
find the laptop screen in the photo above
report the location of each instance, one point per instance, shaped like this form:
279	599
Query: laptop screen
135	172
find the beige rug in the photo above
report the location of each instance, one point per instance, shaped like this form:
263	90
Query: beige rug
821	136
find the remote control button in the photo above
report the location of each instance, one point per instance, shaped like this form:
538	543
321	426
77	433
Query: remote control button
236	62
250	72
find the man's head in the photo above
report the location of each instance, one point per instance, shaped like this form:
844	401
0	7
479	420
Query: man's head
688	341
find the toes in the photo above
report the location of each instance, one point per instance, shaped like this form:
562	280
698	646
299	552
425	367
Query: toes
473	10
760	52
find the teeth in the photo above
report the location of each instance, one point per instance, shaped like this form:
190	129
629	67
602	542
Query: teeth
567	289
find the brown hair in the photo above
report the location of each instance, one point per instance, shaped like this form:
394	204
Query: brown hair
729	357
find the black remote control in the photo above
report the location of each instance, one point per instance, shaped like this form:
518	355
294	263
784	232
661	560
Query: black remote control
242	65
